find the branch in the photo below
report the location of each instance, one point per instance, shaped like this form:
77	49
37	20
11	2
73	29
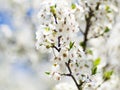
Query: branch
79	86
81	30
59	41
96	36
55	19
88	24
70	74
56	48
100	85
97	6
87	29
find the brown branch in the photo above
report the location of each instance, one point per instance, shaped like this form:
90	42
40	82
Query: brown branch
97	6
56	48
55	17
79	86
70	74
88	24
87	29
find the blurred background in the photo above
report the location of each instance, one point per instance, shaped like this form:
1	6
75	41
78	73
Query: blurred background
22	67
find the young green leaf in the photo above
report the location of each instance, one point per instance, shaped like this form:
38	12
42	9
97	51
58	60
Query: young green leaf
48	73
81	44
73	6
94	70
52	9
97	62
89	51
107	75
71	44
47	28
106	30
108	10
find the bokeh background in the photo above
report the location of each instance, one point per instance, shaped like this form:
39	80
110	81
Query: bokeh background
22	67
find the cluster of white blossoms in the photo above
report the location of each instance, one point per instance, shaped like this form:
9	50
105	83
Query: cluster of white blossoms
102	15
60	25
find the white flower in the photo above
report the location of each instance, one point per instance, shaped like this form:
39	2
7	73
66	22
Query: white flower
64	86
59	29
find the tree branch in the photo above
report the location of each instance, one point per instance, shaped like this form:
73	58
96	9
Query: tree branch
70	74
88	24
56	48
96	36
87	29
55	17
79	86
59	41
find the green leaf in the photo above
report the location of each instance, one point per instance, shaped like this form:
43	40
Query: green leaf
107	8
107	75
52	9
106	30
47	28
82	44
94	70
48	73
71	44
73	6
97	62
89	51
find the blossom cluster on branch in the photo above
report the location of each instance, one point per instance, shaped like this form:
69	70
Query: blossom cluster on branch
65	29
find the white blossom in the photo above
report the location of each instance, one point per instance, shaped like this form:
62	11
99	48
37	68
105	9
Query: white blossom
60	26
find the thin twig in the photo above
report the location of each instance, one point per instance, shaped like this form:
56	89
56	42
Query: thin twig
55	19
53	52
56	48
81	30
96	36
71	75
59	41
97	6
99	85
